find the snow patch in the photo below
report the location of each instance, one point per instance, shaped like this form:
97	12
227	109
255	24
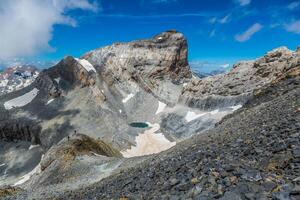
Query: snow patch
87	65
120	111
21	100
49	101
190	116
57	80
3	164
161	107
234	108
33	146
128	97
95	154
148	143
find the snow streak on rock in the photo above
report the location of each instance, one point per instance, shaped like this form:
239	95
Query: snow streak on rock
161	107
128	97
87	65
190	116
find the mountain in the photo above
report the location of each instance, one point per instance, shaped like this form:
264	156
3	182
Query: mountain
131	121
17	77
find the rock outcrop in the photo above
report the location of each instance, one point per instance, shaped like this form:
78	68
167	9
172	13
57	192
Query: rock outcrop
155	64
19	130
238	84
79	144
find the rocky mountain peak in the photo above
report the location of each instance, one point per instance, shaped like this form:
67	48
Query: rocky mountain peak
155	64
77	127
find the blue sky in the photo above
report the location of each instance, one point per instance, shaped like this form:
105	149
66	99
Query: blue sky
218	31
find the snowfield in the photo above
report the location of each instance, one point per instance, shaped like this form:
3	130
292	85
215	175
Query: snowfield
148	143
21	100
190	116
87	65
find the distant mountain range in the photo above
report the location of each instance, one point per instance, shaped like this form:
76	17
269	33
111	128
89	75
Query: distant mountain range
17	77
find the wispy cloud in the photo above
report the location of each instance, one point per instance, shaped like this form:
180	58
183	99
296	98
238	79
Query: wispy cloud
154	15
223	20
163	1
142	2
212	33
293	5
242	37
27	25
244	2
293	27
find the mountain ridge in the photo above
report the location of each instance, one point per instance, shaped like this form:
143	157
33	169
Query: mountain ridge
149	82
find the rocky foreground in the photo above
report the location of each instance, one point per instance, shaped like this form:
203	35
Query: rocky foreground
87	128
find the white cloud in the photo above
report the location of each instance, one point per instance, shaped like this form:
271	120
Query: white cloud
27	25
222	20
293	5
244	2
293	27
225	19
248	33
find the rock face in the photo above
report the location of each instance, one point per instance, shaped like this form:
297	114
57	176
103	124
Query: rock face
237	85
19	130
115	82
153	64
239	128
72	71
